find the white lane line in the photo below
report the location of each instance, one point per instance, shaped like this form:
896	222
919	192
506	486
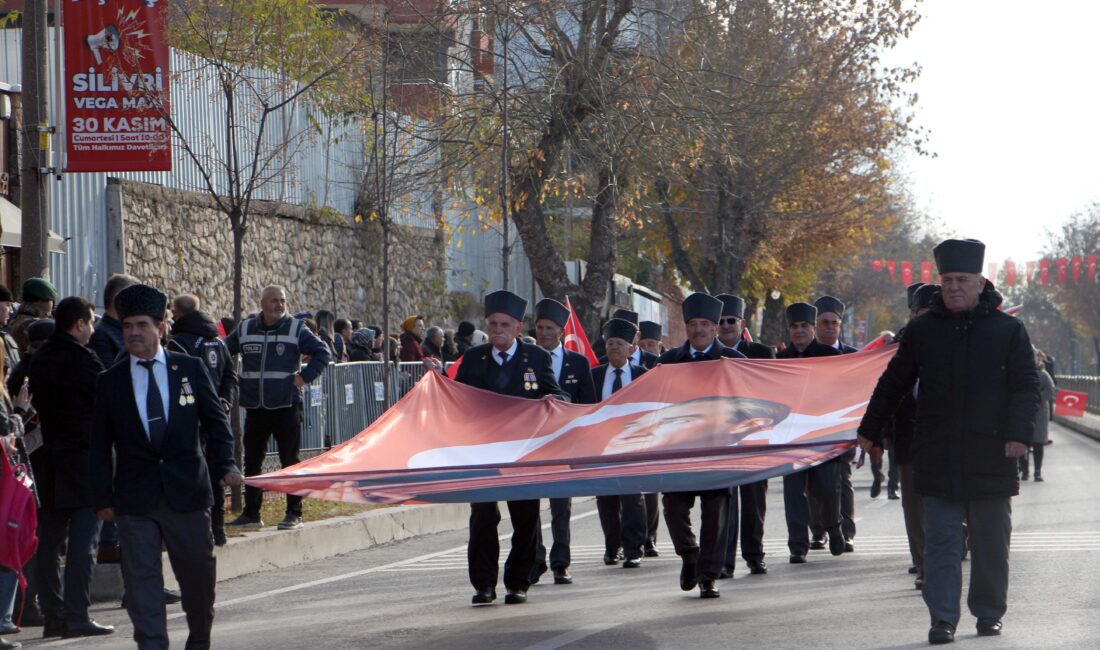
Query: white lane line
572	636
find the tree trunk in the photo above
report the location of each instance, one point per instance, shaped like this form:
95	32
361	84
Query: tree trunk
387	373
773	330
236	222
679	255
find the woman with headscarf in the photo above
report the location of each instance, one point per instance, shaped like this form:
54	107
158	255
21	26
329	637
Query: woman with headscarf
412	335
361	347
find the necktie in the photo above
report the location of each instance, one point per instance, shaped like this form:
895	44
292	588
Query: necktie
154	407
617	385
699	355
503	358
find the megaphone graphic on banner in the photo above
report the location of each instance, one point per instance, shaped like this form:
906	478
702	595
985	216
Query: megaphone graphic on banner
106	38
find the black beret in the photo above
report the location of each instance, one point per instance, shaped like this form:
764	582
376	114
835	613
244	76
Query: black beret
618	328
505	302
141	300
650	330
5	294
553	311
40	330
830	304
959	256
922	297
626	314
801	312
732	305
700	305
910	291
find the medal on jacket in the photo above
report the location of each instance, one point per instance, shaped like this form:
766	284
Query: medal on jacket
187	394
530	381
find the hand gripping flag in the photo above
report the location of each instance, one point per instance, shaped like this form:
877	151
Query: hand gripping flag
575	339
1070	404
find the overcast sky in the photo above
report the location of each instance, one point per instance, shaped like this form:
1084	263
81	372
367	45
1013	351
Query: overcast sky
1011	96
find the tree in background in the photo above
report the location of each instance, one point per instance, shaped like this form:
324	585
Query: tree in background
1079	302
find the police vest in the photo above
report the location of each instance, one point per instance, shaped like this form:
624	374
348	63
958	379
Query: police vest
269	361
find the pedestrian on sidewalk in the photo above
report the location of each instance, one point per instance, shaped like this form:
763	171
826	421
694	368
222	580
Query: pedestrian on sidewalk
1047	394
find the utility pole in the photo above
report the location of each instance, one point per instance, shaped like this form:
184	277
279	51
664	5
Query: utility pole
34	172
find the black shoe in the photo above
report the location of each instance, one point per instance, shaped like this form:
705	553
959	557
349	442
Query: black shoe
290	522
50	630
892	495
941	632
989	628
562	577
798	559
611	559
1038	478
171	597
32	616
219	537
537	572
708	590
484	596
632	563
651	552
688	579
849	546
90	628
246	521
726	573
515	597
876	488
758	567
918	584
913	570
836	542
817	544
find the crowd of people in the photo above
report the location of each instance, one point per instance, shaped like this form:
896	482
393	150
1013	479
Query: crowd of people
151	381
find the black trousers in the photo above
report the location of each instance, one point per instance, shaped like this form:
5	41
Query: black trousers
483	550
561	510
190	546
749	518
653	518
891	472
78	530
710	550
821	511
259	425
624	523
823	483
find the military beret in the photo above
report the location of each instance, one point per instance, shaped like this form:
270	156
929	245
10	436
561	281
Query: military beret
505	302
5	294
553	311
801	312
910	291
700	305
626	314
650	330
959	256
40	330
141	300
922	297
829	304
732	305
618	328
39	289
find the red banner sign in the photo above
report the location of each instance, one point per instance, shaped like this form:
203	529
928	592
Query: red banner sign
116	86
1070	404
691	426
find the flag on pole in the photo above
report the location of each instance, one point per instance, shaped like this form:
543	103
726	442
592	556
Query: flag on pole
1070	404
575	339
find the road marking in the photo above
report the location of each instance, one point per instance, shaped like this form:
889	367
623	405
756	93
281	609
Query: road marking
572	636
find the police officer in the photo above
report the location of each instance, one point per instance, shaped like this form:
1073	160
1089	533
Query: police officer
750	516
271	346
822	481
574	375
702	560
507	366
622	517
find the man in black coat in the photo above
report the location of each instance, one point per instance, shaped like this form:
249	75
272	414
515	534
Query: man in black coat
149	409
107	340
574	375
194	333
62	381
822	481
703	560
638	355
749	518
649	341
507	366
976	406
622	517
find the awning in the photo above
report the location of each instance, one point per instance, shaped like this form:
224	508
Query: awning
11	229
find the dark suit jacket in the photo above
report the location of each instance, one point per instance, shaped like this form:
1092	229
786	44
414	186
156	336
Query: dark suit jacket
576	378
683	354
599	373
529	359
754	350
177	469
814	349
847	349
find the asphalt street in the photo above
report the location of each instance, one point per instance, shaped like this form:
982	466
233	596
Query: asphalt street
415	594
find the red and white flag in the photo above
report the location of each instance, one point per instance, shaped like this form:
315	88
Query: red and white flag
575	338
1070	404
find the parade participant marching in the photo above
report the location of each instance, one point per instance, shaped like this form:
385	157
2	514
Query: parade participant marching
822	481
975	416
149	409
649	340
703	559
507	366
622	517
749	518
574	375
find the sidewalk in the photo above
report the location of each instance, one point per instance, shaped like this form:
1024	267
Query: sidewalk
1087	424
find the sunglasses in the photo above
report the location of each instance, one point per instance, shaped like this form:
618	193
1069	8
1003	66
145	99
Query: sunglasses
729	321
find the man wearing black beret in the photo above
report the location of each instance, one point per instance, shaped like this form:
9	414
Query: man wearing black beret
975	416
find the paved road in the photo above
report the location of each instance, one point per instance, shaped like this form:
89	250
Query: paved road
415	594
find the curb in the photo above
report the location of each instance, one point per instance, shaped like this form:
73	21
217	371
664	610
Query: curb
1077	425
267	550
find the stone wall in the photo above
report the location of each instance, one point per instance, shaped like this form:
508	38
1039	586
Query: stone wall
179	242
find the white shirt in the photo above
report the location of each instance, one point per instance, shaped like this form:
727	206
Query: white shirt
609	379
511	352
557	359
139	376
635	358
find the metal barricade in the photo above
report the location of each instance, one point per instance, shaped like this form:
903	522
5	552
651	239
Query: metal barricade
1083	384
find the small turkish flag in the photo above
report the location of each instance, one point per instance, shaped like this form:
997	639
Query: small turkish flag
575	338
1070	404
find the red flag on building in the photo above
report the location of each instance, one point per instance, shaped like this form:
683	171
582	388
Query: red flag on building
926	272
1091	271
907	273
876	266
1070	404
575	339
1044	271
1063	265
1076	269
1010	272
892	266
